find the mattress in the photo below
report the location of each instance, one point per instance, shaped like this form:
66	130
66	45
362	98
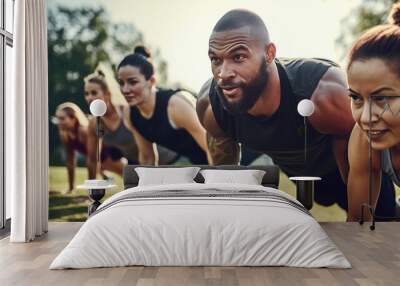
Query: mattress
201	225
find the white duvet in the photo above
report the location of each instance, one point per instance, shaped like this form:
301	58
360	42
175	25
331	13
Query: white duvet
183	231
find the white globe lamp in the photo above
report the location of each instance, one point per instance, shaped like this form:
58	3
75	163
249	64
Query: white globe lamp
305	108
98	107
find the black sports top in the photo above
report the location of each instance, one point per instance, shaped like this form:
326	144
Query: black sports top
281	136
159	130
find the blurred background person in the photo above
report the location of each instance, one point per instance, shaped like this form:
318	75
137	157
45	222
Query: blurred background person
102	85
72	126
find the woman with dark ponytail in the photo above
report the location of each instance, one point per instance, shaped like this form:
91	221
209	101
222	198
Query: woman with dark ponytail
374	81
163	116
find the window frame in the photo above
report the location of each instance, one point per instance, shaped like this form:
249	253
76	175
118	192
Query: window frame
6	39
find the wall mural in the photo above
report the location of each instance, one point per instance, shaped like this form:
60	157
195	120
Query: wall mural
128	85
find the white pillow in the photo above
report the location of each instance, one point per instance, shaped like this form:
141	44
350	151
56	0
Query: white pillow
162	176
248	177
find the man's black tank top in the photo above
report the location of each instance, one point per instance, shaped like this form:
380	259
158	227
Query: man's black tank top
281	136
159	130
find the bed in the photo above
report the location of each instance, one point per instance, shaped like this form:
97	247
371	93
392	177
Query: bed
201	224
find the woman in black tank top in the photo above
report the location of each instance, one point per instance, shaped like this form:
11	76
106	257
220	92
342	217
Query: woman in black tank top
164	117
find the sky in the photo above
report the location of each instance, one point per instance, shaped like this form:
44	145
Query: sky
180	29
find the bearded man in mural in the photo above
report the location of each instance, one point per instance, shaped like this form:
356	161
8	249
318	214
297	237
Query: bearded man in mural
252	100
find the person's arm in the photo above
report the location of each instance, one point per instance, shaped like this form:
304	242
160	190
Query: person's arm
223	149
183	115
147	154
358	180
332	114
340	147
91	145
71	162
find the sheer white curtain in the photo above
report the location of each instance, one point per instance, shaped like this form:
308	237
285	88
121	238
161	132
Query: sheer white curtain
27	124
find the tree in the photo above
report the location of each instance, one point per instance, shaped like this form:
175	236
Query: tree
368	14
78	39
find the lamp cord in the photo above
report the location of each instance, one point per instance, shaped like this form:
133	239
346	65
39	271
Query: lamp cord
97	142
305	144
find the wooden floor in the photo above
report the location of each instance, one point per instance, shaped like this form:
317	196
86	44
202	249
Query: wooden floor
374	255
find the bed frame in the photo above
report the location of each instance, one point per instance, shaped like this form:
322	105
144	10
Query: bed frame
270	179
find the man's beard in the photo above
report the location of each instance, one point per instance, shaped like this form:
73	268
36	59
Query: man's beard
251	92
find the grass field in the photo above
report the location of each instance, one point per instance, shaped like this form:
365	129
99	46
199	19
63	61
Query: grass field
73	206
70	206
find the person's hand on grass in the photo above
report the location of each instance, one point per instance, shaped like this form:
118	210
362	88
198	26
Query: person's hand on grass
68	191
